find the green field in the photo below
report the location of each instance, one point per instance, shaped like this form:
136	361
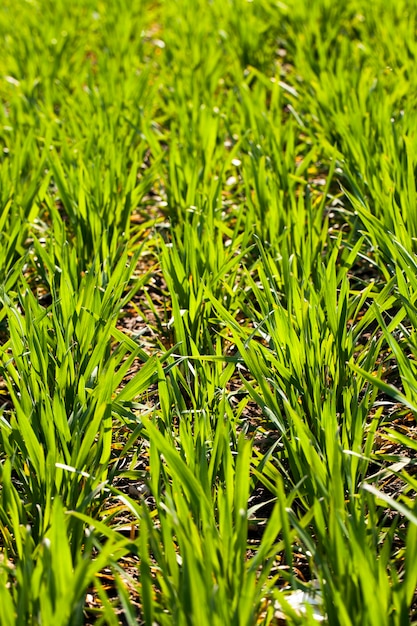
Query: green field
208	312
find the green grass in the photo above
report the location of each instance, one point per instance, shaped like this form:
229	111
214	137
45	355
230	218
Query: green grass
208	312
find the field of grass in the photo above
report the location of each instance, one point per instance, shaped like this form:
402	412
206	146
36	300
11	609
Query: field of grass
208	312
